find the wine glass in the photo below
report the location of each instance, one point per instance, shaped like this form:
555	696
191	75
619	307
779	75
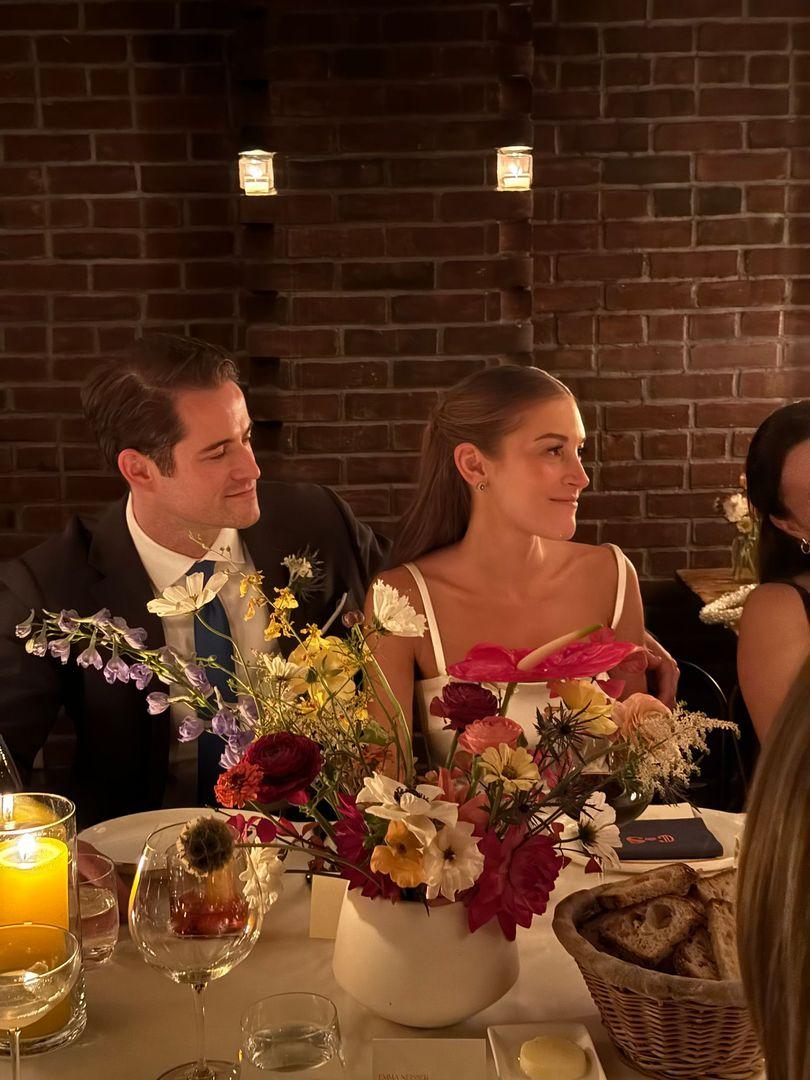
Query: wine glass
38	966
194	927
10	780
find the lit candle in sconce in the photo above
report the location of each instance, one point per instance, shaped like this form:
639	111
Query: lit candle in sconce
34	881
514	168
256	176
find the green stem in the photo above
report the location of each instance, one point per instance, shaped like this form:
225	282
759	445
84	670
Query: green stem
507	696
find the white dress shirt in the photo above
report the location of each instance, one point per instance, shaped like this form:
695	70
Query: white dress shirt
165	567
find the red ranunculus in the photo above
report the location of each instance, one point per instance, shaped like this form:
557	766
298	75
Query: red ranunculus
463	703
289	763
353	842
518	877
582	659
490	731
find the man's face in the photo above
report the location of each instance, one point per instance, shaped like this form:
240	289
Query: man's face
213	484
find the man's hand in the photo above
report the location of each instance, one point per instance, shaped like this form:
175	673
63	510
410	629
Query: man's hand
665	672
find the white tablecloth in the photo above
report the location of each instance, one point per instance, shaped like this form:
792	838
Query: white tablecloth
140	1023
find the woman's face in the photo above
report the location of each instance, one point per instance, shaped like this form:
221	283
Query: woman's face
536	478
795	492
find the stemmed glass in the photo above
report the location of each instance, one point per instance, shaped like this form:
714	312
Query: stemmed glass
10	780
194	927
38	967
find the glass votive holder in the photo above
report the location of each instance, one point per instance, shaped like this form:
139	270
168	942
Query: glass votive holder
289	1033
98	904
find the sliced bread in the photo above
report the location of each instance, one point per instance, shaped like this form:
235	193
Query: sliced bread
722	886
694	958
649	932
723	935
672	880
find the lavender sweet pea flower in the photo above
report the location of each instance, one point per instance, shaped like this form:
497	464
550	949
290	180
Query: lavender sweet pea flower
116	668
140	675
91	657
60	649
23	629
197	677
134	636
191	729
68	620
157	703
101	618
247	707
224	724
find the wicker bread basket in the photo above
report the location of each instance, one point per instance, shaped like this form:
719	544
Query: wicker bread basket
666	1025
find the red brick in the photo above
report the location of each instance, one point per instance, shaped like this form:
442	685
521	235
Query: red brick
401	405
625	204
505	272
674	70
199	244
702	327
779	133
658	445
22	214
96	115
734	356
96	245
579	205
91	179
648	296
690	386
648	39
652	234
603	136
446	240
721	69
567	298
405	342
651	103
566	104
496	339
420	374
698	135
439	308
579	74
22	308
641	477
42	276
617	329
641	358
116	213
708	444
739	293
740	231
565	237
775	384
693	264
385	206
644	417
17	114
309	407
758	166
604	389
598	267
342	438
759	323
743	102
765	199
742	36
665	327
769	69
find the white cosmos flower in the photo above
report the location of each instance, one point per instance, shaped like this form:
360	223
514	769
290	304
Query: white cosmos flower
277	667
268	883
418	809
452	861
597	830
393	614
183	599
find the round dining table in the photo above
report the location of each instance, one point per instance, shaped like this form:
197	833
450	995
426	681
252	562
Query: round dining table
140	1023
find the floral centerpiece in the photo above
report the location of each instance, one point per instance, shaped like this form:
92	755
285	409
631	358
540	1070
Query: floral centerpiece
737	511
313	723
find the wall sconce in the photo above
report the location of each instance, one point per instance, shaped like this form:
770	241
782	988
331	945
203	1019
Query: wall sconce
514	168
256	172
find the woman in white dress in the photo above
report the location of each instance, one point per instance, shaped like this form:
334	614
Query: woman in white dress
485	549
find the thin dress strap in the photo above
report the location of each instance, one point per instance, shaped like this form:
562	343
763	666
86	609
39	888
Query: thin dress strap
433	626
803	593
621	585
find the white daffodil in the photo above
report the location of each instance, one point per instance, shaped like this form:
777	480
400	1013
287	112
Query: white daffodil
452	861
393	614
597	830
183	599
418	808
266	886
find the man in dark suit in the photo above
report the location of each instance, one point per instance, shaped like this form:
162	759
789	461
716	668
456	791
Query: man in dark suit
171	417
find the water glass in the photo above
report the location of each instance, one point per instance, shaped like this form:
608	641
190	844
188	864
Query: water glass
289	1033
98	903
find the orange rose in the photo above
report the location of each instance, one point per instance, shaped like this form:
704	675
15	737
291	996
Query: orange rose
632	714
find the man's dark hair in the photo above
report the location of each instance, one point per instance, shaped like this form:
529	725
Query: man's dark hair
129	401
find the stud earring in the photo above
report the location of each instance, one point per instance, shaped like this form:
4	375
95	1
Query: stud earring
482	486
804	546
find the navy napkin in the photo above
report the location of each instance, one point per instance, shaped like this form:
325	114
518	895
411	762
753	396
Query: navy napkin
668	838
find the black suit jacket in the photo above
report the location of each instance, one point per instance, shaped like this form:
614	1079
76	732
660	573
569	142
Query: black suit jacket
122	752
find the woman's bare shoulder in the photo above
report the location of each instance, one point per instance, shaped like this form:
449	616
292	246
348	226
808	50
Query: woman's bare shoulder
774	604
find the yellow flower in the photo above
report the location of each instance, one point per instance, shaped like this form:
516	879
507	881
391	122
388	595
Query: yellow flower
515	769
273	629
400	857
249	581
589	703
326	669
284	601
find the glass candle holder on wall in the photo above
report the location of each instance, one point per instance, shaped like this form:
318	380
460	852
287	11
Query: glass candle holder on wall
514	168
256	176
39	884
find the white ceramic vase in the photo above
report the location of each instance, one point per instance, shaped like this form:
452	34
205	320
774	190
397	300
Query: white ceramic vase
420	968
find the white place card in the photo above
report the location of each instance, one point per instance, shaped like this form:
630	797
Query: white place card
325	904
428	1059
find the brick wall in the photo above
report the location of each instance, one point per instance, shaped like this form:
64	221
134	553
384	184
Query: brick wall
663	240
668	229
117	213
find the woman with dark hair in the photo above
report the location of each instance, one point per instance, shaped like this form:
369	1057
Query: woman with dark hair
775	627
485	549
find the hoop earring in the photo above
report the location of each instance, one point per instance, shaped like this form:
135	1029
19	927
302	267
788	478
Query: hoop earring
804	546
483	487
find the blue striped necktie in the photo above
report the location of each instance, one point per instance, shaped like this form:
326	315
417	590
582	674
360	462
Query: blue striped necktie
209	643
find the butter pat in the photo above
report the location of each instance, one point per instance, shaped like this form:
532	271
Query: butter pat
549	1057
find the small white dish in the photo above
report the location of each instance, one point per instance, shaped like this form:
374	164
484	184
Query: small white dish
507	1039
121	839
726	827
